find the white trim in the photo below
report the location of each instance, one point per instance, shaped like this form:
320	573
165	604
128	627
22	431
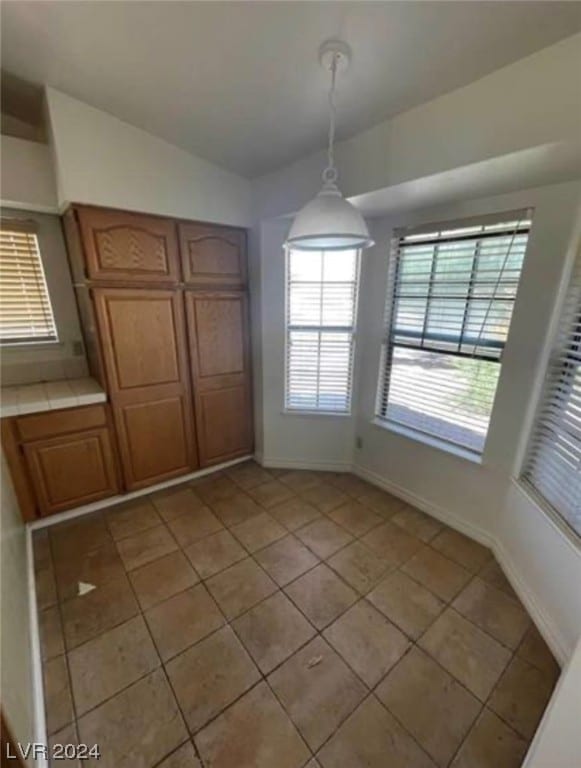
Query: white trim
70	514
431	440
546	627
320	466
39	713
33	207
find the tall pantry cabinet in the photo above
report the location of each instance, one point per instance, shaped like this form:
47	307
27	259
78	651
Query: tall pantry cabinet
164	310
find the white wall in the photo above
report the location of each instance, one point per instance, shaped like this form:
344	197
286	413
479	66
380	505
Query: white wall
15	671
26	175
531	103
102	160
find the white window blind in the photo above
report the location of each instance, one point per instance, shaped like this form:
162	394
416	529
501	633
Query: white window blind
553	466
320	323
25	310
451	291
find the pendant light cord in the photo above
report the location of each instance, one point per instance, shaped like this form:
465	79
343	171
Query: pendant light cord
330	173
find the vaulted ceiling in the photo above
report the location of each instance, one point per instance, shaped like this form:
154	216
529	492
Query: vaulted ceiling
239	83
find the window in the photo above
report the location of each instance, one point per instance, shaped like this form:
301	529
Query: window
553	465
320	325
25	311
451	292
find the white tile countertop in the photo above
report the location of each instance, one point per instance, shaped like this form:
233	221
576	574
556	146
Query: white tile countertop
49	396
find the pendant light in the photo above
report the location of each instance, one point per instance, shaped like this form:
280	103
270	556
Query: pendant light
329	222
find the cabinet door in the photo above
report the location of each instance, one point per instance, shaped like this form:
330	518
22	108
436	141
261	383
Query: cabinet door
220	359
129	247
213	255
71	470
144	347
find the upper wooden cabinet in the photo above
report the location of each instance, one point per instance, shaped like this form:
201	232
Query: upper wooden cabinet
213	255
120	246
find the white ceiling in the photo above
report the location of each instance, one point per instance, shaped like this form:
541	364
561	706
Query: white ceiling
239	84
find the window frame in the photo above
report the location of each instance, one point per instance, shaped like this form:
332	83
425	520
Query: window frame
31	226
388	346
320	412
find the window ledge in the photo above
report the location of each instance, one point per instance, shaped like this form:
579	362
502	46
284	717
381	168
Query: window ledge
433	442
317	414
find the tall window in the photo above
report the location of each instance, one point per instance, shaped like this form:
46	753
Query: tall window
321	307
553	466
451	293
25	311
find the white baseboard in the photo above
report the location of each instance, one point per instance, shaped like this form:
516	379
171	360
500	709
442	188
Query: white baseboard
546	627
62	517
320	466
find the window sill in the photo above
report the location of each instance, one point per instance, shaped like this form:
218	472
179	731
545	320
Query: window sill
316	414
32	345
433	442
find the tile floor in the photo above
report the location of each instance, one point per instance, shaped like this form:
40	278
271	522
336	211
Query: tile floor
279	619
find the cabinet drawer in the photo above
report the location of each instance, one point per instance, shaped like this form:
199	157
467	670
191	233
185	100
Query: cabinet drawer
54	423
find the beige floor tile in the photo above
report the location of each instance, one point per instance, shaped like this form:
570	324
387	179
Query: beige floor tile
253	733
324	537
184	757
214	553
270	494
299	480
57	744
392	543
359	566
51	633
248	475
493	574
78	536
321	595
103	666
355	517
176	502
45	584
183	620
240	587
495	612
105	607
237	509
318	690
41	550
294	513
58	701
469	654
129	519
215	488
258	532
372	738
406	603
435	709
491	744
272	631
417	523
534	650
286	560
137	727
351	485
162	578
194	526
521	696
150	545
368	642
462	550
210	676
324	497
440	575
381	502
96	567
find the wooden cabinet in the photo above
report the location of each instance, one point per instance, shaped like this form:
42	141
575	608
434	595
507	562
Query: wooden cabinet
120	246
62	459
144	349
212	255
220	361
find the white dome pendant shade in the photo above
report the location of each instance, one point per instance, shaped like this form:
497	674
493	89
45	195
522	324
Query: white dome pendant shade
329	222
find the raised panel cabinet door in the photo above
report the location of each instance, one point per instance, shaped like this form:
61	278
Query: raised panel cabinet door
213	255
129	247
144	347
220	360
71	470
